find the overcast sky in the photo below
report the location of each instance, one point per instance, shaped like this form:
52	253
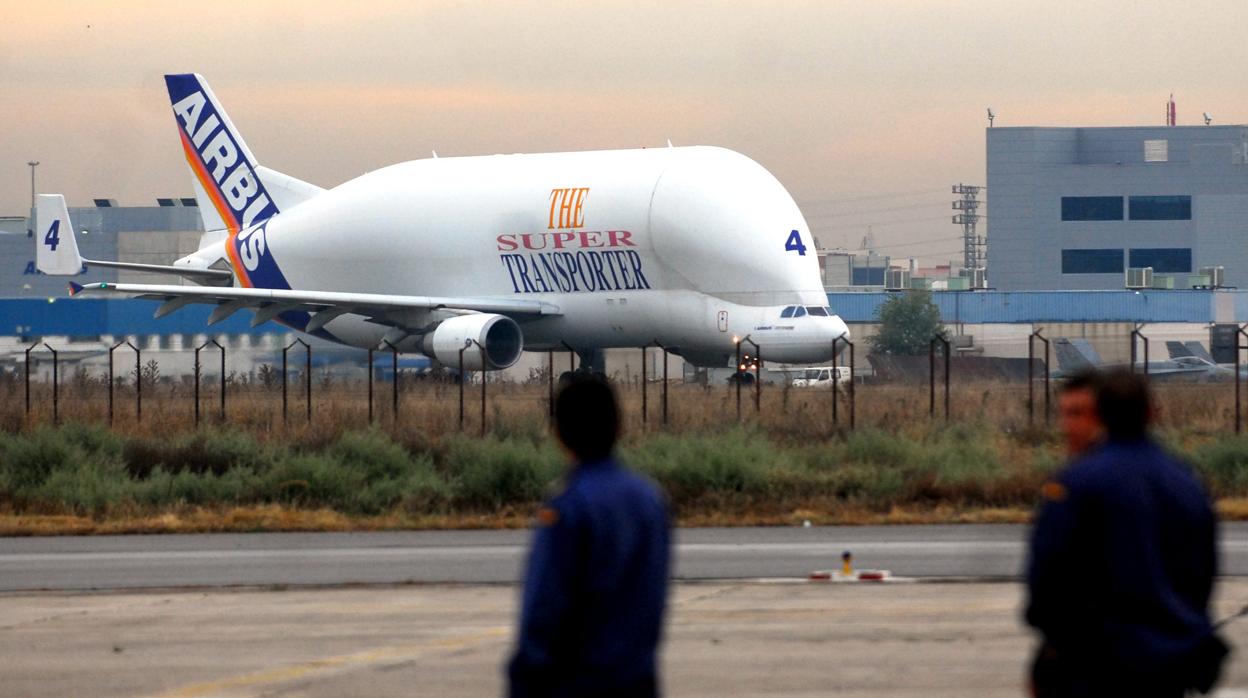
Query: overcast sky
866	111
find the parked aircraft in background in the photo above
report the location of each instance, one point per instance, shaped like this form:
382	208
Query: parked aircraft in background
694	248
1077	354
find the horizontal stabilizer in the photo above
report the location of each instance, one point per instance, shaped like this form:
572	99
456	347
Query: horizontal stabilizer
287	191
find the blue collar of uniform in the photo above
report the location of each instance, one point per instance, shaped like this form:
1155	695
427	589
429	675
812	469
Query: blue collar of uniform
608	462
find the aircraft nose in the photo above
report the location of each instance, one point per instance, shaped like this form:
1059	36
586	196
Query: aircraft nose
837	328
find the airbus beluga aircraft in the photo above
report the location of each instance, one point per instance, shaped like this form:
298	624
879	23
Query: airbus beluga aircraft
694	248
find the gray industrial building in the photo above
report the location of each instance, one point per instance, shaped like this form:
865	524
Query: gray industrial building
1075	208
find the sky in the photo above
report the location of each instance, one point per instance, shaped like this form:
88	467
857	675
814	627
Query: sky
866	111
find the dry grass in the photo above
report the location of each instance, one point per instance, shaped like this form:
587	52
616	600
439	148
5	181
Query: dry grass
434	408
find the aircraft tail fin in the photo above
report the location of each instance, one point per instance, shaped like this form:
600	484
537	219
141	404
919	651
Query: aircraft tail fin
230	193
1075	355
54	236
1198	350
1178	350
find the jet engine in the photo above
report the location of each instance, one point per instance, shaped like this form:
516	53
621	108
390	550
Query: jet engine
498	341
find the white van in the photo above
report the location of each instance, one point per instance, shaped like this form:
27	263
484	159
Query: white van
821	376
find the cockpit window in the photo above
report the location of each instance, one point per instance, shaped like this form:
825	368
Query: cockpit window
817	310
787	312
799	312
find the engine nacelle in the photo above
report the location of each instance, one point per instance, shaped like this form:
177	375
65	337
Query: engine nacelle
499	335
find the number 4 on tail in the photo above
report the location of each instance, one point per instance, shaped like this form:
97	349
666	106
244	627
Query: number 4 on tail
793	244
53	238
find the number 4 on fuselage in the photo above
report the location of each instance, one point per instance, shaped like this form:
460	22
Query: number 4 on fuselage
794	244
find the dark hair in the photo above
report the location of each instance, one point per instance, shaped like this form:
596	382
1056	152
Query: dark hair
1086	379
1124	404
587	419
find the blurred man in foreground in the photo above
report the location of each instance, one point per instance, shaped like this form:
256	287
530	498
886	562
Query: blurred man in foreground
1122	556
596	584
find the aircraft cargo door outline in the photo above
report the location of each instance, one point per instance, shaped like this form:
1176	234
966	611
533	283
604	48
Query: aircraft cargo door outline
723	321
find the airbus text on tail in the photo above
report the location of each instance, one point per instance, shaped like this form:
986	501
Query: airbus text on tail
57	249
225	171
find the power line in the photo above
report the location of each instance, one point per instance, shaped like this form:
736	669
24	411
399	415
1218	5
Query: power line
870	211
916	242
870	197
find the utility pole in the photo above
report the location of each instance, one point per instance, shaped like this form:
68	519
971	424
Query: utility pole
972	244
33	164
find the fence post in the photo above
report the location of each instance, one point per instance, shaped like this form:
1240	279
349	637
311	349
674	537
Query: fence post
853	379
665	384
1031	387
394	388
643	386
197	375
308	377
138	382
931	363
550	384
1238	379
736	367
56	386
196	392
758	377
461	385
1137	334
28	350
484	380
56	398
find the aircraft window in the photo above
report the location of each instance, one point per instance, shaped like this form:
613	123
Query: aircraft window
787	312
800	312
817	310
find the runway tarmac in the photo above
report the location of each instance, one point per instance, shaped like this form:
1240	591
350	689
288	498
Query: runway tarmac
983	552
722	639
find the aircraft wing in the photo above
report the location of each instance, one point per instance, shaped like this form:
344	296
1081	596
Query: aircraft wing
322	305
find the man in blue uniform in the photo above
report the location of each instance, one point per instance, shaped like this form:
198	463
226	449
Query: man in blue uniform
596	584
1122	556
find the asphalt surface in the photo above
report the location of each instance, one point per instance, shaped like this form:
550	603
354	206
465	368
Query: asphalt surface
309	559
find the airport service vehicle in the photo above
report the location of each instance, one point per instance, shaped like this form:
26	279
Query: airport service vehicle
820	377
695	248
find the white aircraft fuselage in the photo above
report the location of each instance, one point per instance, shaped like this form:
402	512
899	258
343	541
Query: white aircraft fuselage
692	248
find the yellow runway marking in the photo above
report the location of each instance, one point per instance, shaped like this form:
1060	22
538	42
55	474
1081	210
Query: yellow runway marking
379	655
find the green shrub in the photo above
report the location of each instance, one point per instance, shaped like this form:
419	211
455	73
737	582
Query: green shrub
26	461
491	473
1223	463
688	467
89	486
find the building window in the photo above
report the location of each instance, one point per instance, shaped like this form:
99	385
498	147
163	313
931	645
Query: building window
868	276
1091	261
1091	208
1163	260
1161	208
